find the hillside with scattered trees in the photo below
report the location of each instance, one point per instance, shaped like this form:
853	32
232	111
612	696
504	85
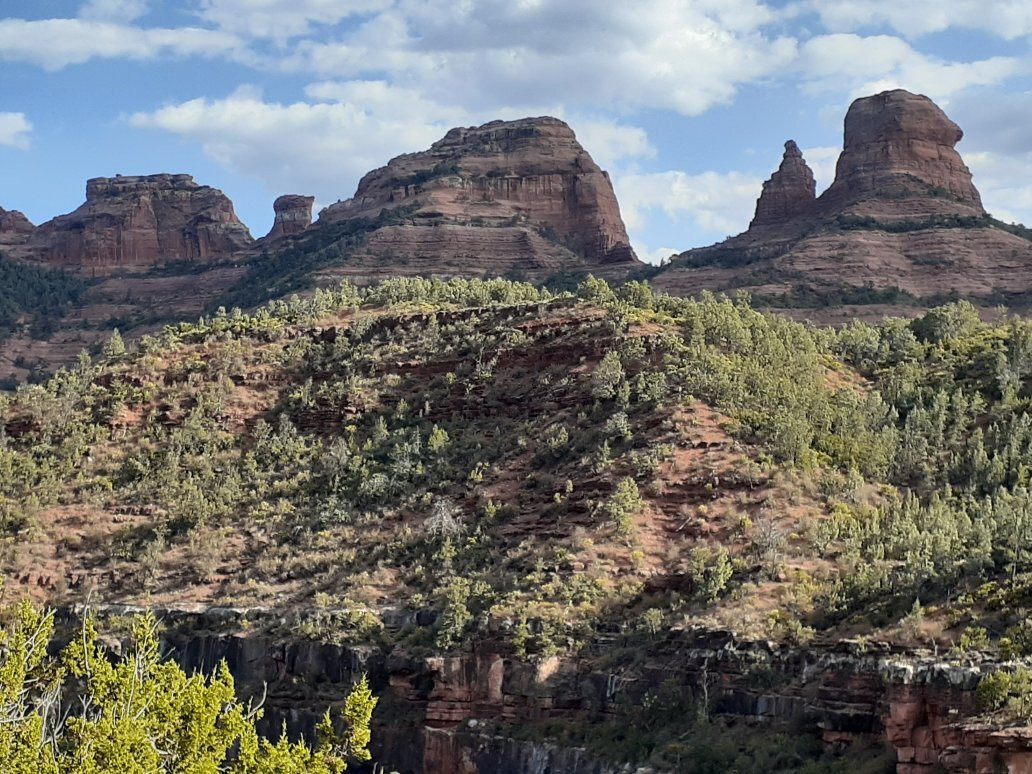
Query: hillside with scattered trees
549	466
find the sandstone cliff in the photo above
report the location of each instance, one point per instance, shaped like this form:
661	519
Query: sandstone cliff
899	148
14	222
789	192
902	227
507	196
14	228
293	214
138	223
519	198
451	712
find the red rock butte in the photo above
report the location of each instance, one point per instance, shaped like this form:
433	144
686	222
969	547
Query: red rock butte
293	214
901	147
518	195
139	222
902	219
791	191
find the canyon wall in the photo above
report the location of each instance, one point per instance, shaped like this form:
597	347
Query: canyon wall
447	713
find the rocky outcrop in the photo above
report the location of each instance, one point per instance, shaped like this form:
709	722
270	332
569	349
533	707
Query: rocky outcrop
789	192
448	713
293	214
141	222
901	228
15	229
525	187
901	146
519	199
14	223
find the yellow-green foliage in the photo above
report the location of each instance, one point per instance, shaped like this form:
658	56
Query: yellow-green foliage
140	714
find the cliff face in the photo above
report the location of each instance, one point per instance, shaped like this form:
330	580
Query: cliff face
140	222
901	224
789	192
441	713
897	146
293	214
13	222
507	195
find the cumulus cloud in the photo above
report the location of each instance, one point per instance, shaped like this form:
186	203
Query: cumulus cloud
56	43
322	145
609	142
865	65
14	130
319	148
676	54
822	160
719	204
1008	19
654	255
1002	180
995	121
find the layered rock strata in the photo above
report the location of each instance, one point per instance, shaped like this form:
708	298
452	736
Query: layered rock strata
789	192
441	713
526	190
141	222
901	227
901	146
520	199
293	214
12	222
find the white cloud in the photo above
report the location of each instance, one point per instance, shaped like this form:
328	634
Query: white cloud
866	65
324	145
1002	180
319	148
14	130
56	43
720	204
654	256
113	10
675	54
821	161
381	99
994	120
1008	19
283	19
609	142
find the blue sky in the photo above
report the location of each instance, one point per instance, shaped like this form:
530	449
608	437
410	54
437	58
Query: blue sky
686	102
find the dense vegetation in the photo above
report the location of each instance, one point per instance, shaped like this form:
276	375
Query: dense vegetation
495	452
552	469
35	296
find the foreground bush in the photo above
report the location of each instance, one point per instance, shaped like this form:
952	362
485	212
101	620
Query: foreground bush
84	713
